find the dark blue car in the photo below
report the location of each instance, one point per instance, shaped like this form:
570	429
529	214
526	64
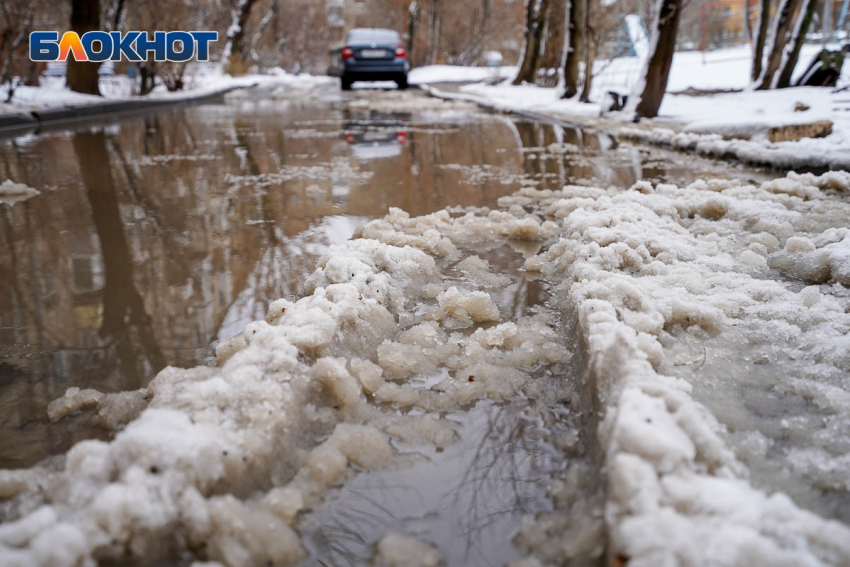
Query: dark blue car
371	54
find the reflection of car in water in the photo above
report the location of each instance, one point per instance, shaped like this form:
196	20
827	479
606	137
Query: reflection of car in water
375	139
370	54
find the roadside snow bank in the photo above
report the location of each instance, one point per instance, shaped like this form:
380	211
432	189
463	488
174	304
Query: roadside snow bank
749	112
653	266
171	479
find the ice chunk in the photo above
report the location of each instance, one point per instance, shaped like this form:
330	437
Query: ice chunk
468	306
73	401
11	192
398	550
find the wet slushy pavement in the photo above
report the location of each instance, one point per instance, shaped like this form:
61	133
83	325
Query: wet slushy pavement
159	235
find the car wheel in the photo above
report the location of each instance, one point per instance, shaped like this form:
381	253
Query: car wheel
402	82
346	83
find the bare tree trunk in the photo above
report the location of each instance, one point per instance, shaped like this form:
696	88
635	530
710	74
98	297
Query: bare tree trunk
761	35
412	20
114	14
434	40
485	17
232	55
82	75
781	28
577	21
551	58
147	77
535	22
804	20
527	41
657	70
540	31
8	50
589	58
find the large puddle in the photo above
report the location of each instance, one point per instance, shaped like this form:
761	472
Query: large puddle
157	235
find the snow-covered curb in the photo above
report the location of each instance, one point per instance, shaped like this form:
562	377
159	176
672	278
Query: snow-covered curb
806	153
105	107
62	105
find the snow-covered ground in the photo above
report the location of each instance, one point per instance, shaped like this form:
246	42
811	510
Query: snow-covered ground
201	81
745	114
457	74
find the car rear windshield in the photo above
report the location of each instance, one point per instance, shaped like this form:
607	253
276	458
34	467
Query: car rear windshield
372	36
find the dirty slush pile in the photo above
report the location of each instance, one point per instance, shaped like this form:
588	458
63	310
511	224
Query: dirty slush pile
216	463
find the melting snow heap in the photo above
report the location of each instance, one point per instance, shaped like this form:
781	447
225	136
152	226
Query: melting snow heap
218	460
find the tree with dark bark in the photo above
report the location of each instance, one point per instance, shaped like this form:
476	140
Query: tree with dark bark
114	14
761	34
434	26
413	11
792	55
82	75
780	32
590	43
232	57
11	40
577	22
552	57
657	67
535	25
123	306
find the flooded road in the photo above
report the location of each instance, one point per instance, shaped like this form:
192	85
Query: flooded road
157	236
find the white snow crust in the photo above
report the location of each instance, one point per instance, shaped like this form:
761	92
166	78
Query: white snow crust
829	152
676	493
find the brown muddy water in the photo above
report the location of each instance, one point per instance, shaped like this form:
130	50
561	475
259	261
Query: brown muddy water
156	236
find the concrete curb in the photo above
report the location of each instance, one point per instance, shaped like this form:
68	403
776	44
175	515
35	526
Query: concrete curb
34	119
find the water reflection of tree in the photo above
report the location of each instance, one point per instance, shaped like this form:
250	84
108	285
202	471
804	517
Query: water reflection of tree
506	476
125	322
497	473
582	164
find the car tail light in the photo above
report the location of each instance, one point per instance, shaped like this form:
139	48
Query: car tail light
349	137
401	137
400	51
348	53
